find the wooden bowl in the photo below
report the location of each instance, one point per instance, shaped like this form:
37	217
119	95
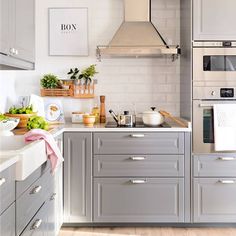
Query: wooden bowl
89	120
23	118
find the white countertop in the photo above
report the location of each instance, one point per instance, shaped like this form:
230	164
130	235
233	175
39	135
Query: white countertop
69	127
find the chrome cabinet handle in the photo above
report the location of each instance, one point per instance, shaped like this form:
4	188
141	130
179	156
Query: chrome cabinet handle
36	189
137	158
137	135
2	181
53	196
36	224
206	105
227	181
138	181
227	158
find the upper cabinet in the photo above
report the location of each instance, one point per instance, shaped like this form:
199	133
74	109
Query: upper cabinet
17	34
214	20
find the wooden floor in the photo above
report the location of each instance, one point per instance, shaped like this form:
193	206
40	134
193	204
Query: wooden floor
148	231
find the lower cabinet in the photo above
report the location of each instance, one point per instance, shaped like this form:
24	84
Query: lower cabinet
7	222
215	200
138	200
77	177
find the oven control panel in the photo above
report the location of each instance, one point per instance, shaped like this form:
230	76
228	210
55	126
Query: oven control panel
227	92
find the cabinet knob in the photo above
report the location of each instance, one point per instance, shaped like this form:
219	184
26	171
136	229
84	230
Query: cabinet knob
2	181
36	224
16	52
213	93
36	189
53	196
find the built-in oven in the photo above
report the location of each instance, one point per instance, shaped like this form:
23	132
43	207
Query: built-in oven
212	63
203	117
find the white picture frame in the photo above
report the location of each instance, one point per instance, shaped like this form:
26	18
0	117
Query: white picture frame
68	32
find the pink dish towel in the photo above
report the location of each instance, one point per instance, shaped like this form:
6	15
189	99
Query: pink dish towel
52	150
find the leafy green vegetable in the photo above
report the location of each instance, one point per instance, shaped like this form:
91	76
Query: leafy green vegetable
50	81
37	122
2	117
21	110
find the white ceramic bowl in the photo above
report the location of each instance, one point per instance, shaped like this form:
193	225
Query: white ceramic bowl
7	125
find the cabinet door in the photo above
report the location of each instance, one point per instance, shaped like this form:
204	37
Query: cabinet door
7	222
4	26
77	177
214	200
138	200
23	35
214	20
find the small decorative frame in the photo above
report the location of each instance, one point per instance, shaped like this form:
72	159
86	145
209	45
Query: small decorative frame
68	31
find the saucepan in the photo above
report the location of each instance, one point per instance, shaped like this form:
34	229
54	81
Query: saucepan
152	117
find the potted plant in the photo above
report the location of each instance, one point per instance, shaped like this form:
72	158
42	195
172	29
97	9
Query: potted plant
87	74
50	81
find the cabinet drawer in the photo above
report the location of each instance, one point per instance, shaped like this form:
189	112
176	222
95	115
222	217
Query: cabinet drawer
214	200
38	225
138	143
7	222
138	200
141	165
215	165
7	188
29	203
22	186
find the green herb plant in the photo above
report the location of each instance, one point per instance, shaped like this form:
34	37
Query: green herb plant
73	73
50	81
88	73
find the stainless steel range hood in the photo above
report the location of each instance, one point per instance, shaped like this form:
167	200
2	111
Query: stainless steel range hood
137	36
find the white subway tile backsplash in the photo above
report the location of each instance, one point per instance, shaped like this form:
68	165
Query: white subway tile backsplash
124	81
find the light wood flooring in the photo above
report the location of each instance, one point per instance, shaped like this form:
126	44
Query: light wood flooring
147	231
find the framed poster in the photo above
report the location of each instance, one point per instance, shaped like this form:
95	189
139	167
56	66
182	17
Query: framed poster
68	31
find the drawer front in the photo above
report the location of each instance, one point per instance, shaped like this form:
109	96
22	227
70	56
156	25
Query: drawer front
130	200
138	143
7	222
214	200
141	165
38	226
215	165
22	186
7	188
29	203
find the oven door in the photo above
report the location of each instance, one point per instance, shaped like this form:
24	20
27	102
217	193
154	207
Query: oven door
203	125
214	64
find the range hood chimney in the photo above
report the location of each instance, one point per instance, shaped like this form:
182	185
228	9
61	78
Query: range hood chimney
137	36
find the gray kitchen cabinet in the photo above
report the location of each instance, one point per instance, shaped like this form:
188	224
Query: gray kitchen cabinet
215	165
77	177
7	222
139	143
214	20
138	200
31	200
138	165
17	34
7	202
214	200
7	188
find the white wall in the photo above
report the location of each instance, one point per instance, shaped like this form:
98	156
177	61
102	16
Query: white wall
146	82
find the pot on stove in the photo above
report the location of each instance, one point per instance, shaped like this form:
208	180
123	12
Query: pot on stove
124	120
152	117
